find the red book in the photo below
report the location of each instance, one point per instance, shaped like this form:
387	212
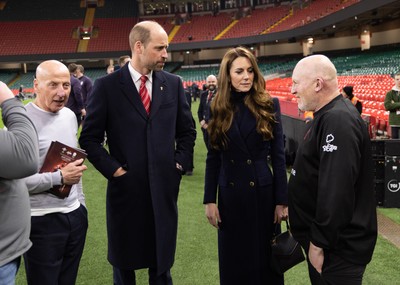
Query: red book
57	157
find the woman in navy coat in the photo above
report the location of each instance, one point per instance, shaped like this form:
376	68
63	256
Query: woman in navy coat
246	138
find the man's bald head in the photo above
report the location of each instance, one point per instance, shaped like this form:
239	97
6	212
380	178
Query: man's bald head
211	77
211	82
314	82
52	85
317	66
50	67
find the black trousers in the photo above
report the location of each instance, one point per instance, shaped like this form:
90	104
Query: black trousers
128	277
336	271
58	240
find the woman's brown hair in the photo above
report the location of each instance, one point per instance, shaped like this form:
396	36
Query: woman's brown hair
222	109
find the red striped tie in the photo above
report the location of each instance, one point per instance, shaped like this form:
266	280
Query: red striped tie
144	94
209	97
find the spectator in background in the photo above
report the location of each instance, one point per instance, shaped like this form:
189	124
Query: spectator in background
245	128
392	104
123	60
110	69
58	225
331	194
188	97
21	93
348	93
19	157
86	83
75	101
151	135
203	111
194	91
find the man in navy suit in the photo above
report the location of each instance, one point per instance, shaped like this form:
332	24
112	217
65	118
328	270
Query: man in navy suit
150	147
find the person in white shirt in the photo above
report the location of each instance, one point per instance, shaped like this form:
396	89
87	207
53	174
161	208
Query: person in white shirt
59	226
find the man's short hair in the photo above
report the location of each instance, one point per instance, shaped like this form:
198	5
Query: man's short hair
122	59
72	67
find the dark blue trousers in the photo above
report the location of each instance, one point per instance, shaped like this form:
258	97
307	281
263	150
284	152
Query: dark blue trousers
127	277
58	240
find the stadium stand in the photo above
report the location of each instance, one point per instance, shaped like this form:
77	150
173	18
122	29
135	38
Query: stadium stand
23	79
202	28
112	34
191	73
165	22
117	9
314	11
256	22
38	37
22	10
7	76
172	66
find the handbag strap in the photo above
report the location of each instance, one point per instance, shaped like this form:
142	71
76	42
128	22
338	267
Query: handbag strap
277	226
287	225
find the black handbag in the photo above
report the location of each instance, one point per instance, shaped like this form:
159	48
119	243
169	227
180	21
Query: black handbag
286	252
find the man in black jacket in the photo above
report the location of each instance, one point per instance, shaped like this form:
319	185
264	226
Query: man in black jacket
331	198
206	98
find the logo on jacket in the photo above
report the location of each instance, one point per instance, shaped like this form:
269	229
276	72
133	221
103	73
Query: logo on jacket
329	147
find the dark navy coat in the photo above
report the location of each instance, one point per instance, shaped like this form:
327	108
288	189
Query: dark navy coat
75	101
142	204
247	190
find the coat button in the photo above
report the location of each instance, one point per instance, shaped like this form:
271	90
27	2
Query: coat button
249	161
231	184
251	184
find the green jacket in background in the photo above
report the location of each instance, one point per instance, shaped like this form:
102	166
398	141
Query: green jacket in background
392	104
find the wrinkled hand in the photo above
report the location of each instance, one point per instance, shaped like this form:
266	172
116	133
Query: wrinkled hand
316	256
212	214
281	213
72	172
